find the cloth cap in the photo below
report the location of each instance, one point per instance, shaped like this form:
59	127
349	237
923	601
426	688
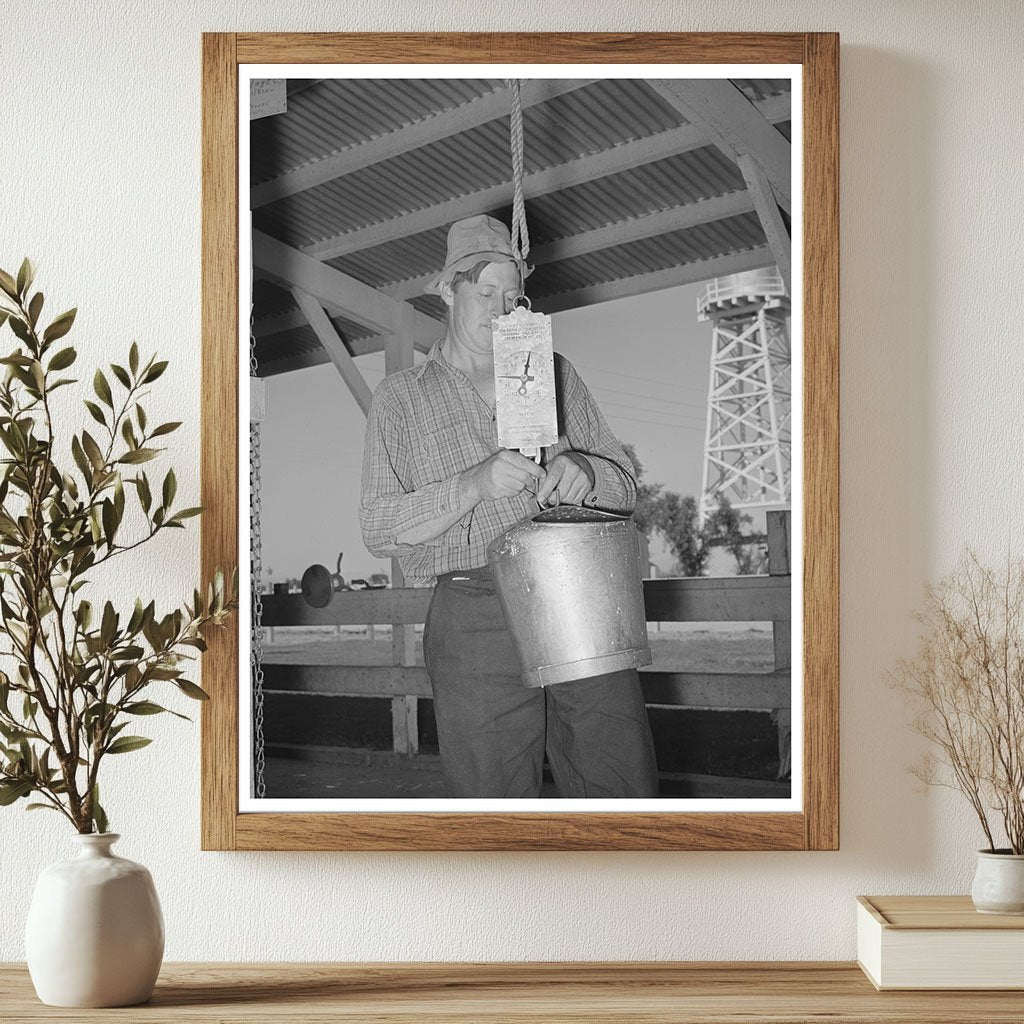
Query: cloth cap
471	241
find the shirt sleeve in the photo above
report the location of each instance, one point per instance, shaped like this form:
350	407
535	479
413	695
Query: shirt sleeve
585	431
388	504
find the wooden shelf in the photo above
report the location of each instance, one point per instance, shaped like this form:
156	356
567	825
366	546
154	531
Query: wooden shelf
659	993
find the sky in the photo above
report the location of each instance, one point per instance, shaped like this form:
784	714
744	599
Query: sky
645	359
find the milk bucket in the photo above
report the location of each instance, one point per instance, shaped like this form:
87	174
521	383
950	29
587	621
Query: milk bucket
570	583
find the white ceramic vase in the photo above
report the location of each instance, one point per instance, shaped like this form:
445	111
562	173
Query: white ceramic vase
95	933
999	883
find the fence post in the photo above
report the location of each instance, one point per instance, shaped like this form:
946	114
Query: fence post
398	355
778	565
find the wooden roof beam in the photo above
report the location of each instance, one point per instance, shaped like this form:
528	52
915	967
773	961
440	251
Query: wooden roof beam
734	124
687	273
634	229
430	129
296	361
771	219
341	294
282	323
335	348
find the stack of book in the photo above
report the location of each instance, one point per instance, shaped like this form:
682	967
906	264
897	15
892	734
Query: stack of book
938	942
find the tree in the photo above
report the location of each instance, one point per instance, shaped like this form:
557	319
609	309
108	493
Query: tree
676	518
725	526
645	515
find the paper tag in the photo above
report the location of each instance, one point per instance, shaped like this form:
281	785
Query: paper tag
524	380
267	96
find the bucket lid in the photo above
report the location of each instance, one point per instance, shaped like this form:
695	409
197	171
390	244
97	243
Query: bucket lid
576	514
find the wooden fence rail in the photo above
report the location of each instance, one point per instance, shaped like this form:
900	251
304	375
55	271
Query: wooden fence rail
698	599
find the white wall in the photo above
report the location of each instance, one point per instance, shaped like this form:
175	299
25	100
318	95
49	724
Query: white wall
99	164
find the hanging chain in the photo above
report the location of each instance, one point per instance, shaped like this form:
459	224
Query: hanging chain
520	236
256	569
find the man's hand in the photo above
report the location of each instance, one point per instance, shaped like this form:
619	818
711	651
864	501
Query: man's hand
569	479
503	475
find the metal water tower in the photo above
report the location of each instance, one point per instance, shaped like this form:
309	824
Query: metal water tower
747	442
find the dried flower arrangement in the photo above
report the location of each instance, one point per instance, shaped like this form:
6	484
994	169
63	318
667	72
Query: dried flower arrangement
967	682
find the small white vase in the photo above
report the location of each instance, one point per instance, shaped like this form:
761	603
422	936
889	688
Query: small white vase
999	883
95	933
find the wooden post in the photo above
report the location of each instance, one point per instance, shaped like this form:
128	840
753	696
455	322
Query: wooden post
398	355
778	565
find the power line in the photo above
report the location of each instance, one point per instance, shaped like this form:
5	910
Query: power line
656	412
643	380
654	423
651	398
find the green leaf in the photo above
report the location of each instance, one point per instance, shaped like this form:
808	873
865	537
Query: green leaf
119	498
63	359
125	744
102	388
155	371
128	433
80	459
145	497
34	308
4	314
109	521
129	653
135	622
170	488
99	817
92	449
144	707
108	627
185	513
121	374
11	791
26	272
60	326
95	412
165	428
138	455
191	690
42	807
133	358
20	328
140	415
8	284
84	615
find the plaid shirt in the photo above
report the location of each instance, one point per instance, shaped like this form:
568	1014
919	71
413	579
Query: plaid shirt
425	426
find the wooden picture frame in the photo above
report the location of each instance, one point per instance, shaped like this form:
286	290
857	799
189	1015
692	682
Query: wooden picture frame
816	826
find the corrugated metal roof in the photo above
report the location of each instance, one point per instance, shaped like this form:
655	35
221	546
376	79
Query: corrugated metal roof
580	133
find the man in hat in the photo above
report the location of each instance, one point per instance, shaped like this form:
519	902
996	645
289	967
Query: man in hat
437	489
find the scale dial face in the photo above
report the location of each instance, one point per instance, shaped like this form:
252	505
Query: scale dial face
524	373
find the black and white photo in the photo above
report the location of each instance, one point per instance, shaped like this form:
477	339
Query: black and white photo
401	230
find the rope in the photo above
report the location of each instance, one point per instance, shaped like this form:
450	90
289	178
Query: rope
256	569
520	235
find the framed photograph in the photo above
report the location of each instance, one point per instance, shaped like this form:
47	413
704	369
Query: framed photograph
619	255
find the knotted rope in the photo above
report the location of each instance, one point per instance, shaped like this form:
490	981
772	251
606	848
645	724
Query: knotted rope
520	234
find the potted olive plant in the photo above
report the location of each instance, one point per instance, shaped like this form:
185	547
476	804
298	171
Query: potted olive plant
966	681
77	672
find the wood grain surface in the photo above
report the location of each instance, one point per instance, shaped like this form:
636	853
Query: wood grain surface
817	827
663	993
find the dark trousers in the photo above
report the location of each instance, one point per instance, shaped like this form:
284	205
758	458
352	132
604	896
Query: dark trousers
493	730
